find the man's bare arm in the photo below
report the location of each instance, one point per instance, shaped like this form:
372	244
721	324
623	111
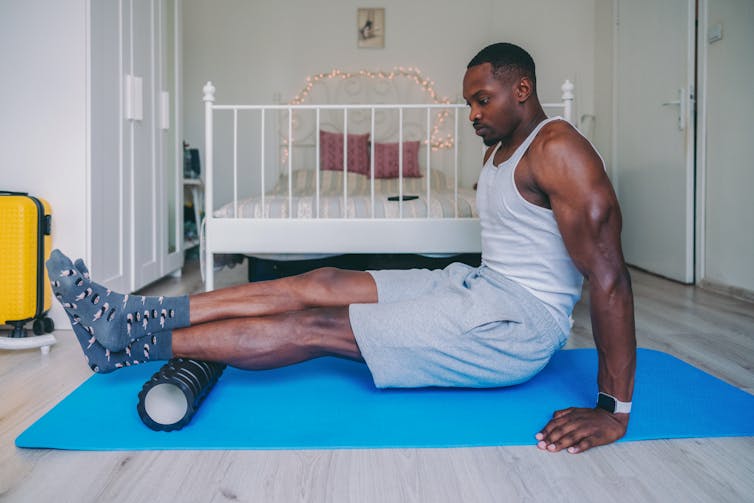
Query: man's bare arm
584	204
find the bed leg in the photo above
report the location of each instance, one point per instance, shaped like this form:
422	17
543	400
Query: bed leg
209	273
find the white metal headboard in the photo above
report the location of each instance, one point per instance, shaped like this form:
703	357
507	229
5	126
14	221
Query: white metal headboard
566	105
448	235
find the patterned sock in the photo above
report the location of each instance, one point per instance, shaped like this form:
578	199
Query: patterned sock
113	319
153	347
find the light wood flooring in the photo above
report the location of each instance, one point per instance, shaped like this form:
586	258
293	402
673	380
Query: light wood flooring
709	330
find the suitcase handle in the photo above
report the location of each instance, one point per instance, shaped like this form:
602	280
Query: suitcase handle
11	193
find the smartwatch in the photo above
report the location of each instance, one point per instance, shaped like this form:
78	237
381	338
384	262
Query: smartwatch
612	404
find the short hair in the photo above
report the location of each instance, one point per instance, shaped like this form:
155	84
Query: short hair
505	57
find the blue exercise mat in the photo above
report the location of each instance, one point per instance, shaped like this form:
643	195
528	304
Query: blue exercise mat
332	403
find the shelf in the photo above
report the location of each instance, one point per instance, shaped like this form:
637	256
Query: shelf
194	193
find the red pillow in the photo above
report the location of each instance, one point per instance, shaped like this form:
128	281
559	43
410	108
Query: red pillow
386	160
331	152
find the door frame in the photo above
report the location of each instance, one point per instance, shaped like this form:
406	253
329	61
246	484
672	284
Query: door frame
701	136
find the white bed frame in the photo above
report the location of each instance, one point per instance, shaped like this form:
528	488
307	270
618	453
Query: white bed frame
253	236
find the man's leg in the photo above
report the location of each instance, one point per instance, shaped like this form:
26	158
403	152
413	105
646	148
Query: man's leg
265	342
126	346
254	343
326	287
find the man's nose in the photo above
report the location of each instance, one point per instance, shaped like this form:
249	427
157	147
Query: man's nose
474	115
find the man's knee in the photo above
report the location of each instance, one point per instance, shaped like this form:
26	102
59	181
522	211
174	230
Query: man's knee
333	284
316	283
324	275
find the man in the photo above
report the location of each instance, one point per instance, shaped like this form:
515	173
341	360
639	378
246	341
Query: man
548	214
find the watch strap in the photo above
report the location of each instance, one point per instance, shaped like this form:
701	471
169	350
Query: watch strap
612	404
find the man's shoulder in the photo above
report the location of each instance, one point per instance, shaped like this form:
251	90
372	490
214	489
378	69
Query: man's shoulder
559	142
557	135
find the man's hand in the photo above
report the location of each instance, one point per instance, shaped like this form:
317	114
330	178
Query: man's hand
580	429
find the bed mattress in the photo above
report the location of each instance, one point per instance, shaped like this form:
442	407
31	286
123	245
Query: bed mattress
302	202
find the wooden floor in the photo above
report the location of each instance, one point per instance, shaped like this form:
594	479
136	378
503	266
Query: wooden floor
711	331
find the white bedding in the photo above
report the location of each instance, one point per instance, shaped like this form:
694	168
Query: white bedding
302	202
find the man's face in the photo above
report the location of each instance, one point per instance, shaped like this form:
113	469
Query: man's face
493	109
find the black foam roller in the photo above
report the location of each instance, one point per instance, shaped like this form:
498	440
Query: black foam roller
169	400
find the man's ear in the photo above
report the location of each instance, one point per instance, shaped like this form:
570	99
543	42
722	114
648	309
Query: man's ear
524	88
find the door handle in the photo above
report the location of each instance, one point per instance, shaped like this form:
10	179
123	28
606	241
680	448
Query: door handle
681	102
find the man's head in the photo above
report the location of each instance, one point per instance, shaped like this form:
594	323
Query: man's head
507	60
500	89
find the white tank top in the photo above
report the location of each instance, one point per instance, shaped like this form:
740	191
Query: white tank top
522	241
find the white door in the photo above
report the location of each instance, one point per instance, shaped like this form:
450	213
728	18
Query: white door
110	193
654	134
145	194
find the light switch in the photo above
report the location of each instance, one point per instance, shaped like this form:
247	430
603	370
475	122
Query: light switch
715	33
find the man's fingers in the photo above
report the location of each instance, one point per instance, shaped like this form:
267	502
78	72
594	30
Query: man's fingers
567	435
559	418
578	430
583	433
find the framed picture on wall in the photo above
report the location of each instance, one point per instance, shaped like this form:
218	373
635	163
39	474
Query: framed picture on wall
370	25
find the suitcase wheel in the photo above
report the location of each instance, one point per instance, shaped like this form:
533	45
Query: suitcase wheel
48	324
38	327
18	330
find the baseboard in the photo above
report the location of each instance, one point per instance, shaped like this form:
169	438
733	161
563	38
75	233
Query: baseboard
733	291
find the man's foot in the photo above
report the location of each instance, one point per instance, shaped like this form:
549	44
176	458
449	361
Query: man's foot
148	348
112	319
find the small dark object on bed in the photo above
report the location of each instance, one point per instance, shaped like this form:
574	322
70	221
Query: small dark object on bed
405	198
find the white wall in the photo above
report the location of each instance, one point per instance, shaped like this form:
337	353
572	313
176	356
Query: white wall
604	22
253	50
558	35
43	99
728	201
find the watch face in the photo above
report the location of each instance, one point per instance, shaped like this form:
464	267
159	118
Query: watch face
606	402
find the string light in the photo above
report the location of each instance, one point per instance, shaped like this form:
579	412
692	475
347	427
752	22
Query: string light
412	73
437	142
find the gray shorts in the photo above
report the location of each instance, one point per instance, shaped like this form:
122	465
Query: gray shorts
458	326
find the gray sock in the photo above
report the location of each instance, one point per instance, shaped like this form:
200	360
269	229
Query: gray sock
114	320
153	347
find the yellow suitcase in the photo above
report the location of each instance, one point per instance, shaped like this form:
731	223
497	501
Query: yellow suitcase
25	241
